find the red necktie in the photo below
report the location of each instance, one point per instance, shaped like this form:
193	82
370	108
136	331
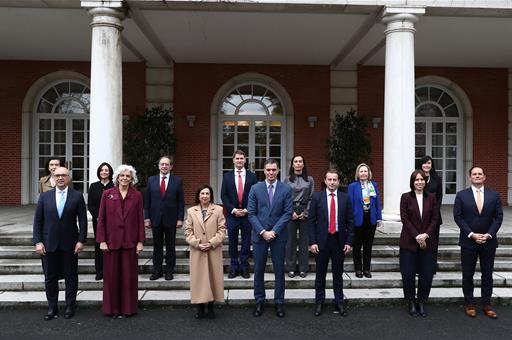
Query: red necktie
332	216
162	187
240	188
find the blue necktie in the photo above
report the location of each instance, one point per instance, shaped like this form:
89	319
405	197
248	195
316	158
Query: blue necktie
62	202
270	193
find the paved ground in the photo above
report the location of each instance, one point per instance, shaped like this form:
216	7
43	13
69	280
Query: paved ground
443	322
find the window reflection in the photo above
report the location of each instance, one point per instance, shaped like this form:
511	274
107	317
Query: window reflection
65	97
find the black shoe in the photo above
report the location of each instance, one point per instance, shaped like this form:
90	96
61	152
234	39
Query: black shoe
279	310
52	314
291	275
412	309
211	312
200	311
367	274
99	276
340	308
169	276
69	312
258	310
245	274
232	274
155	276
303	274
359	274
318	309
421	309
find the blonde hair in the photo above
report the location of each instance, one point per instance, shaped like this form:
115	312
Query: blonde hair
356	177
125	167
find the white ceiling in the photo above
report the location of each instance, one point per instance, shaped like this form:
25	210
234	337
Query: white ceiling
251	37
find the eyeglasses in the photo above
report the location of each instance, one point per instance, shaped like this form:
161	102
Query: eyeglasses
61	175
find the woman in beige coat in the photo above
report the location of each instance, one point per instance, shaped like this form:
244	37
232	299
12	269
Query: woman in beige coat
205	229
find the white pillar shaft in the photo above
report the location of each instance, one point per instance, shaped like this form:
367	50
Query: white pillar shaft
106	116
399	111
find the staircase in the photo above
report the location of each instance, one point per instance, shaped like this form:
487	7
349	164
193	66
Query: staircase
22	280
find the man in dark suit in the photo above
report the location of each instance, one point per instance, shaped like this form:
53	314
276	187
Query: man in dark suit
331	231
236	185
164	207
479	214
270	209
58	240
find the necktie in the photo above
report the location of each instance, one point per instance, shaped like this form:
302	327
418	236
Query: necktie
332	216
240	188
270	193
62	202
479	204
162	187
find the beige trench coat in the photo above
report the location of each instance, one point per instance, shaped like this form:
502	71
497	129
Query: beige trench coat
206	268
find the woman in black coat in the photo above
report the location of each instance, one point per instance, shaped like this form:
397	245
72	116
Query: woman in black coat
96	189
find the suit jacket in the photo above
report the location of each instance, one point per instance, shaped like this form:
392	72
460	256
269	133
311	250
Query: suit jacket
413	224
169	209
229	194
263	216
118	226
318	219
94	197
469	220
435	186
60	233
356	198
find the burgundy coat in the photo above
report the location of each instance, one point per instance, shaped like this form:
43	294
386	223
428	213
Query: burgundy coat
121	228
413	224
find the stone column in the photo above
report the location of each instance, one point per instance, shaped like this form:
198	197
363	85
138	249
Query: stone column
106	113
399	108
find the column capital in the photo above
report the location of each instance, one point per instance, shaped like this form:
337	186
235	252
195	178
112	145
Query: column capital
106	13
401	19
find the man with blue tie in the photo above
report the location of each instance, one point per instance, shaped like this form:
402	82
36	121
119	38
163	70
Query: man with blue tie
236	185
270	209
479	215
331	231
58	239
164	208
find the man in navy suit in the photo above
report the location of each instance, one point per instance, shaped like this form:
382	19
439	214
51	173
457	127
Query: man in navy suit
479	214
331	231
270	209
58	240
164	207
236	185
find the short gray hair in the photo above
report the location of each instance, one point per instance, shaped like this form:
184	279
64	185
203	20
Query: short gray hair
123	168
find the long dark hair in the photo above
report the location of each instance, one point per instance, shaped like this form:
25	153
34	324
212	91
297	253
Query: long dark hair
47	164
424	160
110	171
291	171
201	188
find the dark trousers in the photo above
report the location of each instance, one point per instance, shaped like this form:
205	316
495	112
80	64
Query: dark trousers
468	259
120	282
239	226
260	253
363	237
333	251
59	263
162	234
98	253
422	262
291	246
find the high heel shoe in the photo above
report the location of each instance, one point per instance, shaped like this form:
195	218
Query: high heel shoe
421	309
200	311
412	309
211	312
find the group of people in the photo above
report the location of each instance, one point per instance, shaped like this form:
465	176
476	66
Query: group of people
270	215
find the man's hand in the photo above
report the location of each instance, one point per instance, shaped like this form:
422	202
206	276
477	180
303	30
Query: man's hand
140	248
269	236
147	224
40	249
179	224
347	249
79	247
314	248
479	238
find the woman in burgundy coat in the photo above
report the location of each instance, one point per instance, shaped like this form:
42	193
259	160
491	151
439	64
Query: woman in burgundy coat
120	233
418	242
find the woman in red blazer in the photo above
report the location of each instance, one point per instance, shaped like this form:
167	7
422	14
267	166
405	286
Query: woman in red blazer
418	242
120	233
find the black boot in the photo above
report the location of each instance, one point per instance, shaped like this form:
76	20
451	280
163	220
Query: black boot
412	308
211	312
200	311
421	308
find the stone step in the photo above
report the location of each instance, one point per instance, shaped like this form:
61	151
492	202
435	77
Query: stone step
355	297
382	264
35	282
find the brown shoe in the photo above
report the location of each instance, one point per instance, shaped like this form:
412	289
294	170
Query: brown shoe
488	311
470	310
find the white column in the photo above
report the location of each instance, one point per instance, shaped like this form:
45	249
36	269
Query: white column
106	115
399	110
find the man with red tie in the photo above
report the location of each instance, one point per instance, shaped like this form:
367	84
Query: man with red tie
331	231
164	207
236	185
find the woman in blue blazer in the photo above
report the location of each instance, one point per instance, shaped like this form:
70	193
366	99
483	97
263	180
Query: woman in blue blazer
364	196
